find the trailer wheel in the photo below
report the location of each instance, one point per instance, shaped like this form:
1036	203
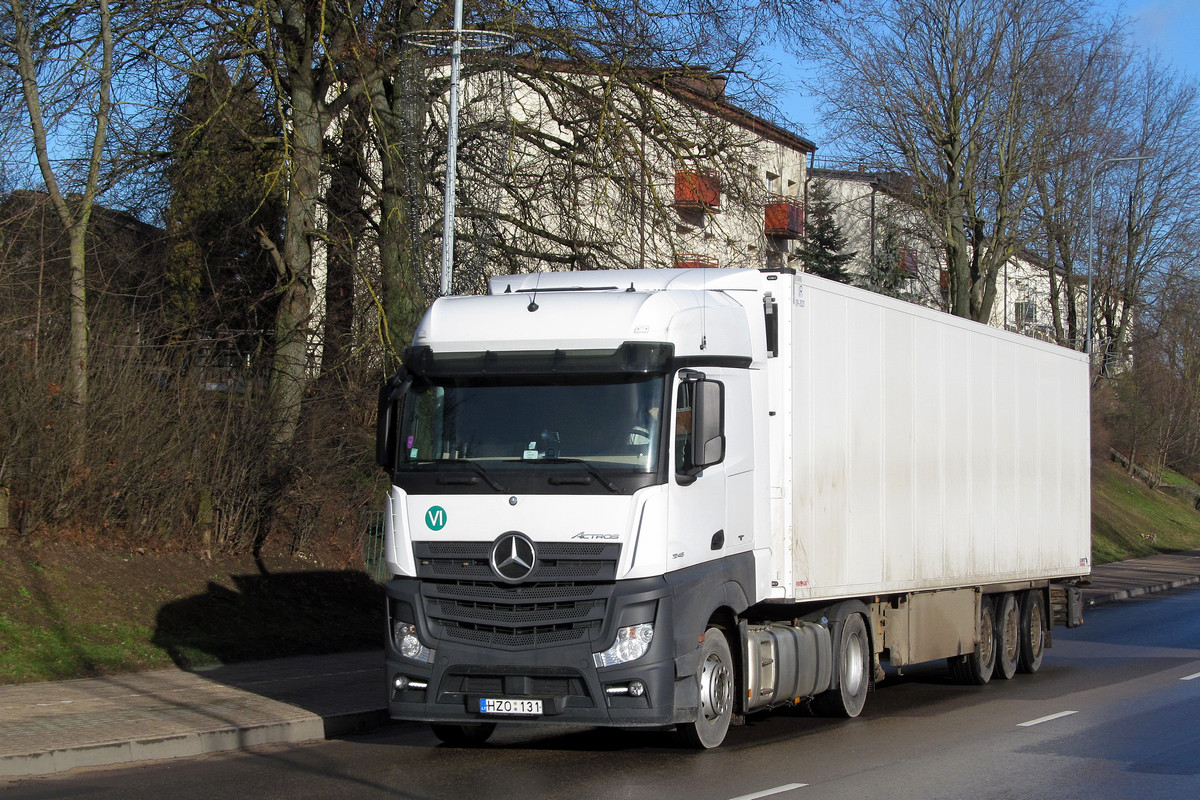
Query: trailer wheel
1033	633
853	672
715	675
468	735
976	668
1008	636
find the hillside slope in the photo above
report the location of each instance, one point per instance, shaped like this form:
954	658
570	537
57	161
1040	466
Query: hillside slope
1130	520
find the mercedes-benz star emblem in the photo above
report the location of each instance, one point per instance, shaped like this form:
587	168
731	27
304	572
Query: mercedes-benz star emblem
513	557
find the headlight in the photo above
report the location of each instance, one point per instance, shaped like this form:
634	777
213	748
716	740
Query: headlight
631	643
404	636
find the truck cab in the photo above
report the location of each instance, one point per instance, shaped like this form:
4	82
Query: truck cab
574	498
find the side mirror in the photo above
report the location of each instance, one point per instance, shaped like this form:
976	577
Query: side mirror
708	423
386	422
699	427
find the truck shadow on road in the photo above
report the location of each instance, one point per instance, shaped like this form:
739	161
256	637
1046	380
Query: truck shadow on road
273	615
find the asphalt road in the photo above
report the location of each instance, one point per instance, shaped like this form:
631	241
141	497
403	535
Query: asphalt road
1114	713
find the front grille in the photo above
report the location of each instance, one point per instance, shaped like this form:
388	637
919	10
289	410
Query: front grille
562	602
556	561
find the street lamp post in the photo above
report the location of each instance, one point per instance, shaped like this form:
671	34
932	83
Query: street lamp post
456	42
1087	342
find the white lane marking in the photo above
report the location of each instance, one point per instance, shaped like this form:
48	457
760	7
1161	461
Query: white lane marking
769	792
1046	718
1191	677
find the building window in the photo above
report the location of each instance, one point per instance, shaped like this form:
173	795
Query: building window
1025	312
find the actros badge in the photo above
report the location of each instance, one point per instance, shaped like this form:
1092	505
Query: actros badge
513	557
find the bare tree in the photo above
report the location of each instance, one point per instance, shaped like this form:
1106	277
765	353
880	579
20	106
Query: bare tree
63	52
317	60
957	92
1147	212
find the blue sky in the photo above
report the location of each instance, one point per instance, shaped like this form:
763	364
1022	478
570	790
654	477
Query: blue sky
1171	27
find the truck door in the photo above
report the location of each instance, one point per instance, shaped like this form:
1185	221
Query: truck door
711	506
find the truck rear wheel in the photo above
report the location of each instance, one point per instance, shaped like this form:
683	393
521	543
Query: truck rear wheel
1033	632
1008	636
715	675
853	661
976	668
469	735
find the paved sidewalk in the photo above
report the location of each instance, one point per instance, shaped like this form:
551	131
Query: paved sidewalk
1140	576
53	727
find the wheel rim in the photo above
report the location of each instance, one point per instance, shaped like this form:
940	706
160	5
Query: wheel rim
1012	638
852	666
987	639
1036	634
716	687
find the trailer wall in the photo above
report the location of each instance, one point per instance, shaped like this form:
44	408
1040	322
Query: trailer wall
929	451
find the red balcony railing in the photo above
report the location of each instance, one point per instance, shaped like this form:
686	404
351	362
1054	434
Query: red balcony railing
784	216
697	191
695	261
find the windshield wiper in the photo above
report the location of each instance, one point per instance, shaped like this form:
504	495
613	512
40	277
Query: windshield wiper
464	462
595	473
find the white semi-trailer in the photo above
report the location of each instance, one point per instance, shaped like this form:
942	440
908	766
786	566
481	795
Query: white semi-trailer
677	497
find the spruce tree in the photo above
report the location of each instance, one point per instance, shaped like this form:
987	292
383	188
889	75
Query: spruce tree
821	252
884	275
222	190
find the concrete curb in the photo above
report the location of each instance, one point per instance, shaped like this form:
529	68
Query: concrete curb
196	743
1139	591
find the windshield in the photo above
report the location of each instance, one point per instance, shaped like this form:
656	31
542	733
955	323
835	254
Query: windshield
610	423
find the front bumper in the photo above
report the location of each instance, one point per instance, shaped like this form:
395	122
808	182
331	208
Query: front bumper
564	677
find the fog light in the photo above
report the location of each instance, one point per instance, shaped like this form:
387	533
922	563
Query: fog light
637	688
403	683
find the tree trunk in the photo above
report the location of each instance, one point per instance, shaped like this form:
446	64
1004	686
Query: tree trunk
289	370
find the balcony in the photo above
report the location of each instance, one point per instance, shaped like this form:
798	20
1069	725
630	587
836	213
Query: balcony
697	191
784	216
695	261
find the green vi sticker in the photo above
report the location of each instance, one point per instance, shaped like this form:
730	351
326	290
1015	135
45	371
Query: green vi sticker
435	518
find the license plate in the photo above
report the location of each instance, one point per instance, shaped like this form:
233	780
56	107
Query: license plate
529	708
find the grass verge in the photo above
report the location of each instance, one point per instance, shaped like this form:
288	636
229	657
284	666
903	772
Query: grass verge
72	611
1131	520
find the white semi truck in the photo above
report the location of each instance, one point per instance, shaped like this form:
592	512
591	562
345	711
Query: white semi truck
659	498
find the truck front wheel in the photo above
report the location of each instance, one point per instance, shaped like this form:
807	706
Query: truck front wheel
853	672
716	693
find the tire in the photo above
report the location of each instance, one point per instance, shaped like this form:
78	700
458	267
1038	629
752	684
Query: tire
1033	632
1008	636
717	692
468	735
853	661
976	668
